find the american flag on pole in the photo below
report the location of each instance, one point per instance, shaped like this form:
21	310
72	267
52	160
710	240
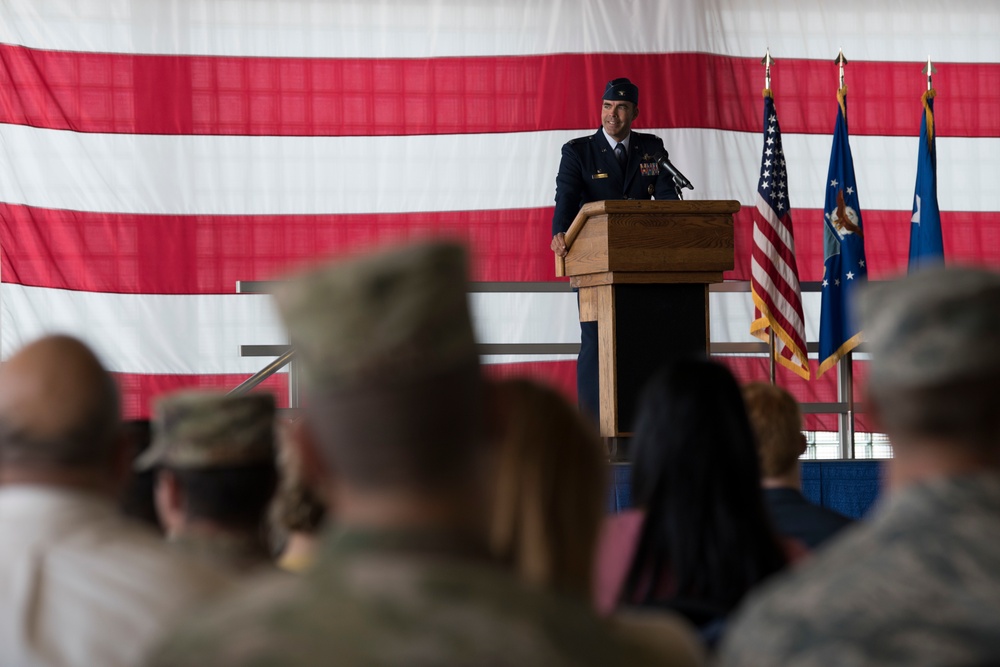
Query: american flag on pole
774	280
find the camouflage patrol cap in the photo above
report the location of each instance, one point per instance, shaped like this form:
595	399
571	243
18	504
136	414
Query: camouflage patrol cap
383	319
932	328
203	429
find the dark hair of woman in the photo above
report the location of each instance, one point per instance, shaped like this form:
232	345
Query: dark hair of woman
707	538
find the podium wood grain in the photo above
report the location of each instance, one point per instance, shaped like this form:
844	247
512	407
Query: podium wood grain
642	269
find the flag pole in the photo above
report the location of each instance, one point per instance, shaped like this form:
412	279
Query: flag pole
845	366
929	70
767	61
841	60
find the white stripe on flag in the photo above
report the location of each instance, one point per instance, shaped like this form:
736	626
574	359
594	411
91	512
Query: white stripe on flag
202	334
443	28
289	175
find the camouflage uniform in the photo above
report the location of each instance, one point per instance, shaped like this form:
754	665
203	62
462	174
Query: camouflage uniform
373	335
206	430
233	553
920	585
399	599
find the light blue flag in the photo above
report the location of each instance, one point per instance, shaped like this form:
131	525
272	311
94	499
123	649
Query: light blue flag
926	247
845	268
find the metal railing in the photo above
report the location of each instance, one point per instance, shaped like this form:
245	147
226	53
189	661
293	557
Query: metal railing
844	407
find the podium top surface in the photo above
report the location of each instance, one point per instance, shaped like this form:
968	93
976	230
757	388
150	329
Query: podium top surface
658	207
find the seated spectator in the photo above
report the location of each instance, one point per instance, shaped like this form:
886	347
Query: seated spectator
777	425
136	499
79	583
298	511
917	583
216	475
393	426
701	537
551	479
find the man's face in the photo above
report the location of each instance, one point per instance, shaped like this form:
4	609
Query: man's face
617	117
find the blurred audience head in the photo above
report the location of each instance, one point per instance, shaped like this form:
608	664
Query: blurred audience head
934	338
695	472
216	460
392	379
551	478
59	417
299	508
137	497
777	426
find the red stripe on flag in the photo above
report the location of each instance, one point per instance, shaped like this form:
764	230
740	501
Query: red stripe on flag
970	237
208	254
139	390
153	94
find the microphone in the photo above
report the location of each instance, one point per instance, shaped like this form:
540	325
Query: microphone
663	160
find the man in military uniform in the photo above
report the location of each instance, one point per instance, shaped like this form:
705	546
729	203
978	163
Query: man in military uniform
918	584
394	431
217	473
613	163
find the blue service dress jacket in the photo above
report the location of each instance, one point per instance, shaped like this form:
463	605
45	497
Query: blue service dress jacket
589	172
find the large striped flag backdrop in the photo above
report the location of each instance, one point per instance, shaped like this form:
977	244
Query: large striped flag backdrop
154	153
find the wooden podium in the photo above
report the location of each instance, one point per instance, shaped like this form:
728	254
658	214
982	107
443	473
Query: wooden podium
642	269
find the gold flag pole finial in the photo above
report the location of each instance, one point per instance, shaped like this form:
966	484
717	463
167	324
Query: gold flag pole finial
841	60
767	61
929	70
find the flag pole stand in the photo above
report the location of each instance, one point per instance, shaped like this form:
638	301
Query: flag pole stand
770	347
845	394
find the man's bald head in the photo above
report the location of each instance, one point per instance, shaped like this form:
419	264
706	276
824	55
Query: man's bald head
58	407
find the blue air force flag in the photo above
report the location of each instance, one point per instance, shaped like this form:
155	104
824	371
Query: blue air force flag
845	267
926	247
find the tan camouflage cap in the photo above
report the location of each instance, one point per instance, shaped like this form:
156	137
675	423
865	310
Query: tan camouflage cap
933	327
382	319
203	429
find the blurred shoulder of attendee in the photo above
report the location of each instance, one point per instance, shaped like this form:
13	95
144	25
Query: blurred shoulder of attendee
777	423
216	473
298	511
136	500
917	582
80	584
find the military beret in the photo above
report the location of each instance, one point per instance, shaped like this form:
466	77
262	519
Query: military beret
205	429
382	319
932	328
623	90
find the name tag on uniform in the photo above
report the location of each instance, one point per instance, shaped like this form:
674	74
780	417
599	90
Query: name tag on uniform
649	168
599	175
